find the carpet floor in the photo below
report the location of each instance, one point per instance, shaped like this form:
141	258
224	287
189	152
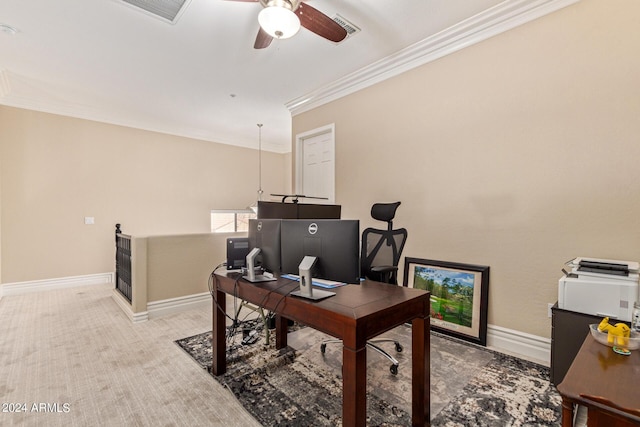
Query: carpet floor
300	386
72	358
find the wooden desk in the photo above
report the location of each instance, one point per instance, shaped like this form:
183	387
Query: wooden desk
355	314
608	384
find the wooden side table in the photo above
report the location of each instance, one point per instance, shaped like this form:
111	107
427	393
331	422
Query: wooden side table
608	384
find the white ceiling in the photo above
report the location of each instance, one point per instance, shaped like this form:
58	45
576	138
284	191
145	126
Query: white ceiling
200	77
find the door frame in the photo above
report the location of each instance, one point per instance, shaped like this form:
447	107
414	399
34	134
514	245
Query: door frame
300	138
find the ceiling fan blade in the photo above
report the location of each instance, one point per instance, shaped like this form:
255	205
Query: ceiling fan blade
262	39
319	23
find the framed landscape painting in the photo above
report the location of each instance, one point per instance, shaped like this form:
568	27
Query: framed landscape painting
459	296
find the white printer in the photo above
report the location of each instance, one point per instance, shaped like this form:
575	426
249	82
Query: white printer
600	287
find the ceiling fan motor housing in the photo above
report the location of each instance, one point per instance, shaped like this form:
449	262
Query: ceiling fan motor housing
292	5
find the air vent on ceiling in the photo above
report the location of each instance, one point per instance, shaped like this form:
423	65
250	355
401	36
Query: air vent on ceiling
168	10
348	26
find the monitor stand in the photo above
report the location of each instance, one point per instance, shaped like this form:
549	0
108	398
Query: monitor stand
316	295
257	278
306	289
251	269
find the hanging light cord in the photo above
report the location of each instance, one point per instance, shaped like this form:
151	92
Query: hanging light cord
260	161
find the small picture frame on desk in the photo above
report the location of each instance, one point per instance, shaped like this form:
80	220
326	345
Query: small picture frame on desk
459	296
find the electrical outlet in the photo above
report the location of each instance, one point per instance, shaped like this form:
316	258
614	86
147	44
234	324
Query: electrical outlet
549	305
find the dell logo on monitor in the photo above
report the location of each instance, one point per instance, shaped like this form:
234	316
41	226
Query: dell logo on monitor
313	228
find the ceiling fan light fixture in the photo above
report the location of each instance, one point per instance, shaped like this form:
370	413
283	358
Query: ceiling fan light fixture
278	19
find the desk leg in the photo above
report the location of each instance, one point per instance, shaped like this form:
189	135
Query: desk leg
282	329
354	384
218	338
567	412
421	383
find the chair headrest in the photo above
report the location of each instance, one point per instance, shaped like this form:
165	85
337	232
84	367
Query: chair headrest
384	211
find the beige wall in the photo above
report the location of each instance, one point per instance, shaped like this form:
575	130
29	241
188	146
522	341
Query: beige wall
180	265
174	266
2	137
519	153
55	170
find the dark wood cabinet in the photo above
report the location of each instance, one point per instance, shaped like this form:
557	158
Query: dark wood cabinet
568	331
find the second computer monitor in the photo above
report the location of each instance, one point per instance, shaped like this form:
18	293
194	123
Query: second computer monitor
336	244
265	234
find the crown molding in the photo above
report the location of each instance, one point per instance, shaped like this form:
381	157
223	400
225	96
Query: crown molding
493	21
5	86
84	112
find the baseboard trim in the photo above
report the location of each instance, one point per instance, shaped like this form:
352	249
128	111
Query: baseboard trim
20	288
176	305
125	306
521	344
504	340
501	339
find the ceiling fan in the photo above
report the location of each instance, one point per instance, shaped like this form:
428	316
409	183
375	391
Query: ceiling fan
282	19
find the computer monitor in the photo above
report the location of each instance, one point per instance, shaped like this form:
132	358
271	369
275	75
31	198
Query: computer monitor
283	210
277	210
335	243
265	235
314	211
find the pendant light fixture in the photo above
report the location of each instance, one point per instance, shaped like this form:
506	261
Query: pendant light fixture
260	162
254	205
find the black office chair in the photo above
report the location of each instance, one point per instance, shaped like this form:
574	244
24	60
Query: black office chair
379	259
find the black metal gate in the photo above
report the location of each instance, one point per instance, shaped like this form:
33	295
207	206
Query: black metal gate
123	263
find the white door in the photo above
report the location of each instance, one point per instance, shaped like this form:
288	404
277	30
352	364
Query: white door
315	164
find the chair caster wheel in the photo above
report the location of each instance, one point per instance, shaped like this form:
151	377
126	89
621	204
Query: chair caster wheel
398	347
323	348
394	369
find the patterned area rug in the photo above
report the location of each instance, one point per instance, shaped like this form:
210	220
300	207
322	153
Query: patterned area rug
470	385
506	392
